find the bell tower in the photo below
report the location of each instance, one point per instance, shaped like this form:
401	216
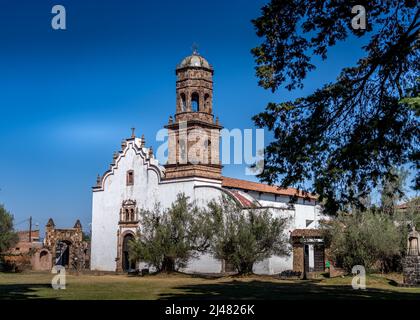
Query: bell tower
194	134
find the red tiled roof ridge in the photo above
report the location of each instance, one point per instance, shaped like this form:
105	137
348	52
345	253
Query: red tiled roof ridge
242	199
262	187
307	233
412	202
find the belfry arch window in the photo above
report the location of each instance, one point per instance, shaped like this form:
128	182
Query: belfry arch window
195	102
128	212
183	102
207	102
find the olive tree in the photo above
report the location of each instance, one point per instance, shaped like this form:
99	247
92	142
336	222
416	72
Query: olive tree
169	238
245	237
8	237
368	238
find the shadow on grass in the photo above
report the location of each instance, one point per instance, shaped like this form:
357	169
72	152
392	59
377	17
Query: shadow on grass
206	276
392	282
24	291
210	276
267	290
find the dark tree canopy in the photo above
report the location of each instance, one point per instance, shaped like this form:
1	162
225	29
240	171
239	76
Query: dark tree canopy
345	137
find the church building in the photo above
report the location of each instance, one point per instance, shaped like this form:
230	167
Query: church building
136	180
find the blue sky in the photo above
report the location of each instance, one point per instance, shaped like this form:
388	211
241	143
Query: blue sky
68	97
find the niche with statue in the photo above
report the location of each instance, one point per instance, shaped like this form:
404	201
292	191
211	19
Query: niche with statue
411	262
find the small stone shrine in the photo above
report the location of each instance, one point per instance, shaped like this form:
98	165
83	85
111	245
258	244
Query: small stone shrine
411	262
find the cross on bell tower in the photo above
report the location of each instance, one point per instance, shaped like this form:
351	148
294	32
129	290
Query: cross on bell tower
194	136
194	48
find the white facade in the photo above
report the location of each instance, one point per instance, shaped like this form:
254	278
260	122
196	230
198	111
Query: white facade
150	187
137	181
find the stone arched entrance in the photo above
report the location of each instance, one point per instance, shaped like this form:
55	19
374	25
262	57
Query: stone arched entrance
67	246
127	265
62	253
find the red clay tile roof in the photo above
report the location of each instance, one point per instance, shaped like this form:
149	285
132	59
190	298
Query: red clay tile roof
261	187
412	203
242	200
402	206
307	233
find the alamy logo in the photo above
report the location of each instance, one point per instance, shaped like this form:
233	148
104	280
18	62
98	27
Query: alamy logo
58	22
59	280
200	146
359	280
359	20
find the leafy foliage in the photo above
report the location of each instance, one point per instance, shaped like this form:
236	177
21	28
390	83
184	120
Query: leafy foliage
392	190
368	239
345	137
244	237
8	237
377	238
409	216
168	239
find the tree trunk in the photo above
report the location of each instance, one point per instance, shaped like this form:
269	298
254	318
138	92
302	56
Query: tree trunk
245	268
168	265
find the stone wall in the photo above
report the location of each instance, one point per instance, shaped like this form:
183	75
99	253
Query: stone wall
42	260
411	270
298	257
24	255
72	237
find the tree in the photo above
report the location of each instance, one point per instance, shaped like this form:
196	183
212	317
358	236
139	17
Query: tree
414	103
392	190
245	237
409	216
86	237
169	238
345	137
368	238
8	237
405	219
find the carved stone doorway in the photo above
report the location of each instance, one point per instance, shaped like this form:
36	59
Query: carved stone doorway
127	265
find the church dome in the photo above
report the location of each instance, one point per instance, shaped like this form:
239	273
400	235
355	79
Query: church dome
194	60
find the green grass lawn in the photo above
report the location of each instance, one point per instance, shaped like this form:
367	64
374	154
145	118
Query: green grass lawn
38	286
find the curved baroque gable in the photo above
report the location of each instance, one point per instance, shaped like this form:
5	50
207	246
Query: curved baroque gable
145	153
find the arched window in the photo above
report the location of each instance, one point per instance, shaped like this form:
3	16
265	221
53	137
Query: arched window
207	102
195	104
183	102
127	215
132	215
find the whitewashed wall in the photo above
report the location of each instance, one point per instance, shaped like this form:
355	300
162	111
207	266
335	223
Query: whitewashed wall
148	189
